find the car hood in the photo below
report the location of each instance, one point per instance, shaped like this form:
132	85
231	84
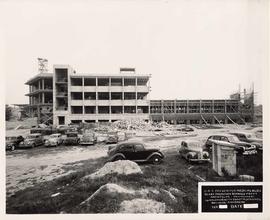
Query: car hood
241	143
52	139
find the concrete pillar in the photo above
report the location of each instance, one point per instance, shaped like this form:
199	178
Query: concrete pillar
224	158
213	120
200	121
43	98
188	121
187	106
43	85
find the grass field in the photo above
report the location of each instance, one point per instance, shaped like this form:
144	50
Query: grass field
173	172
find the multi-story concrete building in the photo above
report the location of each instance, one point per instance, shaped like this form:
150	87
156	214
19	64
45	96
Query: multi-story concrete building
64	97
99	97
41	97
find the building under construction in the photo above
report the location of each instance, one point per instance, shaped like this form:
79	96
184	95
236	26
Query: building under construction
65	97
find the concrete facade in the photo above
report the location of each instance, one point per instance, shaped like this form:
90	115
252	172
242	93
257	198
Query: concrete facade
65	97
99	97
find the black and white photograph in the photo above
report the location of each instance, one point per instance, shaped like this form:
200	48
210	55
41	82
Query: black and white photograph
134	107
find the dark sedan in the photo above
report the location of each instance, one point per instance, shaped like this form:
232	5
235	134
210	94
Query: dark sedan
240	146
12	142
135	151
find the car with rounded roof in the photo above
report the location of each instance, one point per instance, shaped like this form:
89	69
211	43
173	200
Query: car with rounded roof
54	140
135	151
12	142
31	141
240	146
249	138
193	151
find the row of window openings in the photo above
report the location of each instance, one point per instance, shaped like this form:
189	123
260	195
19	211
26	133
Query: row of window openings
106	82
106	96
107	109
193	109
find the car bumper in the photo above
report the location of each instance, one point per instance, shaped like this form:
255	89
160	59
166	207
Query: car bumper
250	152
50	144
199	160
87	142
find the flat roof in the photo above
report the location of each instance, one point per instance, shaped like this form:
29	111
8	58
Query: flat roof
39	76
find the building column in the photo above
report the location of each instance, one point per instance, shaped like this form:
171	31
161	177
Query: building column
136	96
83	110
43	98
43	85
123	98
188	107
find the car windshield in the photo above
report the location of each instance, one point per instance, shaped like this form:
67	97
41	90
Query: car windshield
233	138
31	136
195	145
10	138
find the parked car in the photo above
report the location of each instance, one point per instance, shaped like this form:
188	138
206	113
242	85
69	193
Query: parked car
240	146
185	129
249	138
112	138
12	142
88	138
193	151
54	140
62	129
32	140
135	151
72	138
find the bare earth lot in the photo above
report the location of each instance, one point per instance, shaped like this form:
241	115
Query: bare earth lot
33	175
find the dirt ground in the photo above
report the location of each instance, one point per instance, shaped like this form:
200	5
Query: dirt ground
25	168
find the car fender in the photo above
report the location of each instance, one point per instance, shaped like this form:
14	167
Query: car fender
155	153
116	155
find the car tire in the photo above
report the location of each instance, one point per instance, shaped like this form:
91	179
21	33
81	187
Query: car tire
12	148
79	141
118	158
33	146
156	159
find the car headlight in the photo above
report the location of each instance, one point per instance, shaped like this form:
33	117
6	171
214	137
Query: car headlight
205	155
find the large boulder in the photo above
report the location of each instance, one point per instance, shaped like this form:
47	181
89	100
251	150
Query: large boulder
142	206
109	190
121	167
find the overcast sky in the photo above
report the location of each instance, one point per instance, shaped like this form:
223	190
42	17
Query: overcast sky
194	49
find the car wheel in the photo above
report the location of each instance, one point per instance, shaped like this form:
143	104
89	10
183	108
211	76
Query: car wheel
118	158
79	141
33	146
12	148
156	159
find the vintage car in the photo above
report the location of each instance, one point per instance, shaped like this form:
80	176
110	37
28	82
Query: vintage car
112	138
135	151
185	129
72	138
249	138
193	151
54	140
32	140
88	138
12	142
62	129
240	146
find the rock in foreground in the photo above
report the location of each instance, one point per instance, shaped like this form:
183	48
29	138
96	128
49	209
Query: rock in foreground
121	167
142	206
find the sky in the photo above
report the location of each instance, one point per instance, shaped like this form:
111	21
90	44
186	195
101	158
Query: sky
193	49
